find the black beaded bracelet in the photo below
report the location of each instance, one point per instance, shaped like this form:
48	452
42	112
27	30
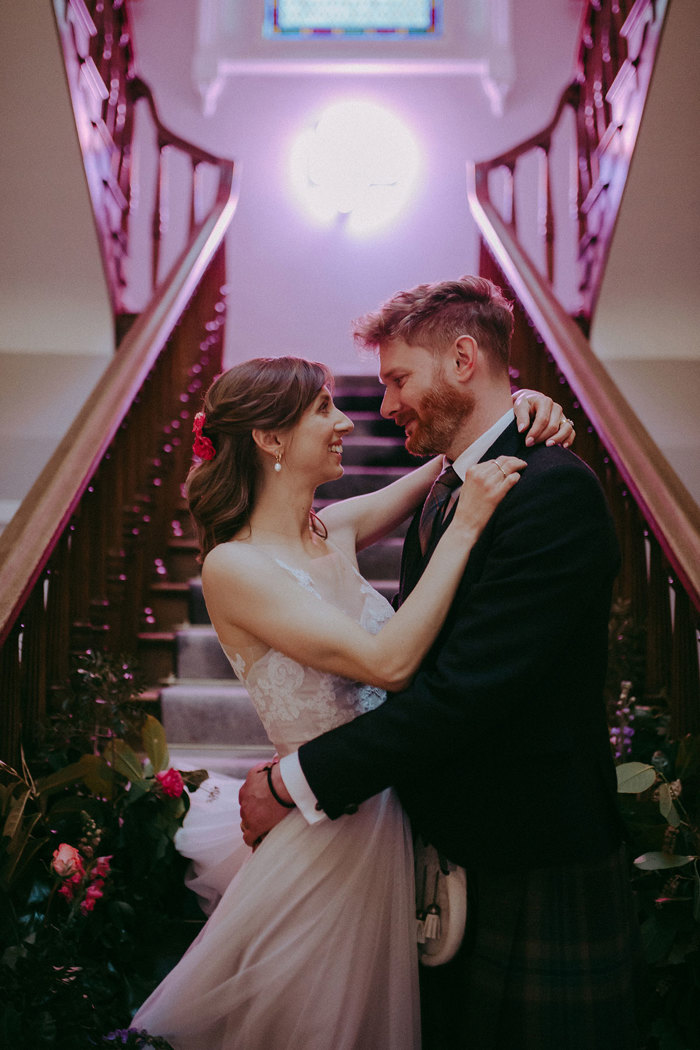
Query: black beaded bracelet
287	805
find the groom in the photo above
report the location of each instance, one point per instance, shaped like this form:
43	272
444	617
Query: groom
499	747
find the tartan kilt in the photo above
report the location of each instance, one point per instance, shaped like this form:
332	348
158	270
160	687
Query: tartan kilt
551	961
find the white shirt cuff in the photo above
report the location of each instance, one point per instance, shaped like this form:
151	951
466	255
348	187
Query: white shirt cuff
298	787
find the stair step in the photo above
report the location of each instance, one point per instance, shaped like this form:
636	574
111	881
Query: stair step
210	712
198	607
382	561
199	655
357	480
182	558
368	422
400	529
372	450
156	654
170	603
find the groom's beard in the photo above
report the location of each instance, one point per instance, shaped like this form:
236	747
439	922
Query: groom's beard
440	413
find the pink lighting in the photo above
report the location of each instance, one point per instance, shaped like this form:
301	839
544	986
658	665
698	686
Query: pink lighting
358	161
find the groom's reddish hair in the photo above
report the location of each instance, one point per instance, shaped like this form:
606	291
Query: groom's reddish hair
434	315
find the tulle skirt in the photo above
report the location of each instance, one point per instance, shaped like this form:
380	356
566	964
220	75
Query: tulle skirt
311	945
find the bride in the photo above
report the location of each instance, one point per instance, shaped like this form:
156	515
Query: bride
311	945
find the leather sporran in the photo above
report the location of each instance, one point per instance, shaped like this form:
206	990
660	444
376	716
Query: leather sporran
441	905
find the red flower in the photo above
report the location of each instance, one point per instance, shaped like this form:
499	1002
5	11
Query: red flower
171	783
202	447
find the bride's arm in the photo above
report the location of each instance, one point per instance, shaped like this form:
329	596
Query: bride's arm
360	521
244	588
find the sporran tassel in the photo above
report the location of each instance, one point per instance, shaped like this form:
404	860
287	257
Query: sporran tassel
432	925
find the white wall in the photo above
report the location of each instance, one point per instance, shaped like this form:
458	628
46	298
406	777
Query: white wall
646	324
56	328
649	299
53	296
295	287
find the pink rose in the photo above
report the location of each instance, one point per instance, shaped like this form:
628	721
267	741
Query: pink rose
67	861
87	905
171	783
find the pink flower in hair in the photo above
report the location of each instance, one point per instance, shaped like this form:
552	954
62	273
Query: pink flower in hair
203	448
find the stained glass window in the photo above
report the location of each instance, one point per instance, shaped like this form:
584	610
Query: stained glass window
381	18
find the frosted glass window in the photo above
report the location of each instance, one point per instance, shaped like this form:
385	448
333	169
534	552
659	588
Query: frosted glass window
303	18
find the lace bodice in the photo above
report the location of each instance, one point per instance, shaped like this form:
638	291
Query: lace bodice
296	703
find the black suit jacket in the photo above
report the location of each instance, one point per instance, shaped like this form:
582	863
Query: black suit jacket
499	748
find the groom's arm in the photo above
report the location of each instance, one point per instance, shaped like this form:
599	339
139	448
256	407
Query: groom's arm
548	571
549	564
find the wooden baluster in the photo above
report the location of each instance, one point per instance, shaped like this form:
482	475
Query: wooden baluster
545	211
684	692
509	206
658	621
195	193
34	682
11	677
158	228
58	612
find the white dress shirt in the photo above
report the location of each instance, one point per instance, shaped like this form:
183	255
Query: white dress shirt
290	767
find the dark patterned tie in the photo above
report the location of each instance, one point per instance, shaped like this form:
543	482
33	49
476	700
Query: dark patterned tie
435	506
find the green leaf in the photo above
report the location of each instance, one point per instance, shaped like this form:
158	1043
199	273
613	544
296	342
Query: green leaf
154	743
124	760
668	810
635	777
20	852
194	777
97	774
15	814
658	861
60	779
138	789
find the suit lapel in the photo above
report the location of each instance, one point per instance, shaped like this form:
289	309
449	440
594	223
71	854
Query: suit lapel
508	443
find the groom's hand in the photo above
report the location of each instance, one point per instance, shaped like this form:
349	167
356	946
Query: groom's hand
259	810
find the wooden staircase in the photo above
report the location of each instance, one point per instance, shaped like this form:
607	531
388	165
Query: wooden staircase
657	520
79	556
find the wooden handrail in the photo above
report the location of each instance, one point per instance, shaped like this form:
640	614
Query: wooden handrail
669	509
541	139
618	45
28	541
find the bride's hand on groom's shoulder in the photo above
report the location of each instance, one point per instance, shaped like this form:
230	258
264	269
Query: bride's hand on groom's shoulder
542	418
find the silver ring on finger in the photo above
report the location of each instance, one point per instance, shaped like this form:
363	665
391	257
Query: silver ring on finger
500	468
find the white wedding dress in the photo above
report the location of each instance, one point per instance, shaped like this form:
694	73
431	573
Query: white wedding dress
311	940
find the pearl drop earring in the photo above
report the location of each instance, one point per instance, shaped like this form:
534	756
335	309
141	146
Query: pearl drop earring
278	462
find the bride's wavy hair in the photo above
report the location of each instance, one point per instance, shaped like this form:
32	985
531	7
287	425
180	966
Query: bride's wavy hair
265	393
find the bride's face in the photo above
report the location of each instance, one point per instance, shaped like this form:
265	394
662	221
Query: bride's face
315	447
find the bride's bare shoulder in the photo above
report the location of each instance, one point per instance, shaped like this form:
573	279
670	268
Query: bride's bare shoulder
233	559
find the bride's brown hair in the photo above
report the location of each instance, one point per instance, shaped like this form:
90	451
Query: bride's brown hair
265	393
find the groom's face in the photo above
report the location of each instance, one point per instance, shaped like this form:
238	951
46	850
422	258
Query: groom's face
420	398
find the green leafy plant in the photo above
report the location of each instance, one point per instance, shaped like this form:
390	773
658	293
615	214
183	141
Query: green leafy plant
91	886
661	806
